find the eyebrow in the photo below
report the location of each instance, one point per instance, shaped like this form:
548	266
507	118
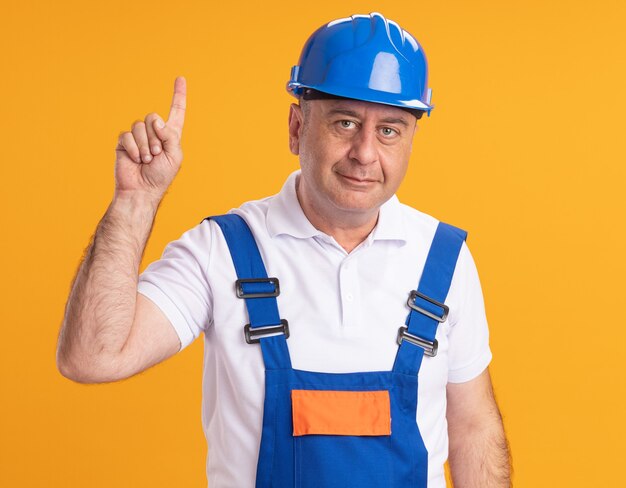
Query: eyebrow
352	113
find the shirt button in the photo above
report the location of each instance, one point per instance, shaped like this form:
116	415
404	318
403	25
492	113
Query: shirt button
349	297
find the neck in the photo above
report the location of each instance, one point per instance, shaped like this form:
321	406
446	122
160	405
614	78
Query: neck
349	229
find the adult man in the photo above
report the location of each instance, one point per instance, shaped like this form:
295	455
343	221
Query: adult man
346	253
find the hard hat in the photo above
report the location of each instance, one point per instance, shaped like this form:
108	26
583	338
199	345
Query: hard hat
364	57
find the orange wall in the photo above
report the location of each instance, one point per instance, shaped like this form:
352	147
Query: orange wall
524	149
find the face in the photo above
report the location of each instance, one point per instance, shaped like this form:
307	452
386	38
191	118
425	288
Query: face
353	155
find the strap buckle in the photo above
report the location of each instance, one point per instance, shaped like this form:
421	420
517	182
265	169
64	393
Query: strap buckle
430	347
416	294
254	335
267	294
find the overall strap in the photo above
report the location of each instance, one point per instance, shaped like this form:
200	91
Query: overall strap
258	291
427	303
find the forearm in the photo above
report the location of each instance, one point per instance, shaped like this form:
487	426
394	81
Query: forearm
479	455
101	306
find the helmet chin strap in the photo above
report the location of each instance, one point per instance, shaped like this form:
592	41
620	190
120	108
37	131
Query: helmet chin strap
311	94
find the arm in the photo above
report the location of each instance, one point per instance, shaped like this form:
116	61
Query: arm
479	455
109	331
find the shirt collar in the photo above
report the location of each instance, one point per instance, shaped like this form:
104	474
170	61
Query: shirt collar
285	216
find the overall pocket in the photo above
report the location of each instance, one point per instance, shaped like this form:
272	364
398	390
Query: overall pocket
342	438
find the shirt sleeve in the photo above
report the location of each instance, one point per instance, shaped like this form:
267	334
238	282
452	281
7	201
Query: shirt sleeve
177	283
469	353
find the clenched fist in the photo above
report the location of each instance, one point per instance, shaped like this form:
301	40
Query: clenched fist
149	156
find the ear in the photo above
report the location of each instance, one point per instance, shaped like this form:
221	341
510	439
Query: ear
296	120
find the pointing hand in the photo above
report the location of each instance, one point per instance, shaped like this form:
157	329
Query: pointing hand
149	155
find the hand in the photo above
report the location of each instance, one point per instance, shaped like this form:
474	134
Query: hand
148	157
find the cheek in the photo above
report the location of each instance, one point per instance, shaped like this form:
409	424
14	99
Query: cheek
320	152
312	163
396	163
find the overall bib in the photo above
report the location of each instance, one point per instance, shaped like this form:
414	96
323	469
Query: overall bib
324	430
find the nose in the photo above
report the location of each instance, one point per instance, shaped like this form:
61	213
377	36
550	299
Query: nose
364	148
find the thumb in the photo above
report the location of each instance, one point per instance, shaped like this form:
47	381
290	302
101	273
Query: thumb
168	136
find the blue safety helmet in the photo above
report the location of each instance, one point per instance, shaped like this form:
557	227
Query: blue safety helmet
364	57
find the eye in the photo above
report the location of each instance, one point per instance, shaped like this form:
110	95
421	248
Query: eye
388	132
346	124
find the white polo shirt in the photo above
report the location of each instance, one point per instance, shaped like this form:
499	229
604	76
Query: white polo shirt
344	311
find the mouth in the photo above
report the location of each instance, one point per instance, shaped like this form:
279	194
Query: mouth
357	180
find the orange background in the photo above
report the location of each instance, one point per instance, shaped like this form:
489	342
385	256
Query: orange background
524	150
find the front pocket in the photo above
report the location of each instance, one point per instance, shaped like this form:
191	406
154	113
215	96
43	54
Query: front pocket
351	413
343	438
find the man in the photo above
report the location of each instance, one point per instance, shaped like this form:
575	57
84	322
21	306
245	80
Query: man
309	380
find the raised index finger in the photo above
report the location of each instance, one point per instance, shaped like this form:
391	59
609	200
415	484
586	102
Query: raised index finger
179	104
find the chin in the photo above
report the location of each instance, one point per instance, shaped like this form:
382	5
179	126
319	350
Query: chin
357	206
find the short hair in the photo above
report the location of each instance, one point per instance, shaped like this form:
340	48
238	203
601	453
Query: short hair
306	108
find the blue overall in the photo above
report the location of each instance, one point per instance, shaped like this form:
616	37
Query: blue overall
397	459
